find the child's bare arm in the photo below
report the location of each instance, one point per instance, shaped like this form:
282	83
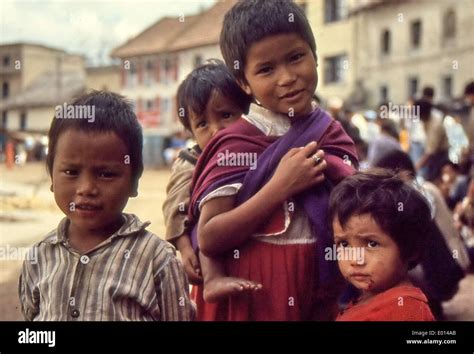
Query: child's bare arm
222	226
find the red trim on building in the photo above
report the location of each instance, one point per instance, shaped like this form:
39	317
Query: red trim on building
140	71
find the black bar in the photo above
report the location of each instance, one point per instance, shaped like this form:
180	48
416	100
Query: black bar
331	337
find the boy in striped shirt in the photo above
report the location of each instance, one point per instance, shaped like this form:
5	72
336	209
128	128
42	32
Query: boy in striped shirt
101	264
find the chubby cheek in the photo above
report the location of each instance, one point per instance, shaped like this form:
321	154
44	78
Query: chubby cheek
384	272
63	195
344	267
117	202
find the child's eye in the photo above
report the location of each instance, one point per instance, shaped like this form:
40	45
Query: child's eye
342	244
296	57
107	174
372	244
227	115
70	173
201	124
265	70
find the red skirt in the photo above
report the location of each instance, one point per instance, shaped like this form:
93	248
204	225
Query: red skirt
289	276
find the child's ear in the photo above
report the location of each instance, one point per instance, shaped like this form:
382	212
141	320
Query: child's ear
134	191
245	87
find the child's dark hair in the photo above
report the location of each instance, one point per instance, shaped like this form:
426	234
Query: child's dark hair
428	91
469	89
250	21
196	90
112	113
425	109
397	161
395	205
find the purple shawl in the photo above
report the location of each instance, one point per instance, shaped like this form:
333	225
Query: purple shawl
318	126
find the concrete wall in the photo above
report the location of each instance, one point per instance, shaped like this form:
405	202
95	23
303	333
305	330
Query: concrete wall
431	62
38	119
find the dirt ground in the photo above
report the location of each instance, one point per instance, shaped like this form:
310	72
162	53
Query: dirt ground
28	213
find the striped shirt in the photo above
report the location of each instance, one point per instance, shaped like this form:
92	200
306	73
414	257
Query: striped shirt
131	276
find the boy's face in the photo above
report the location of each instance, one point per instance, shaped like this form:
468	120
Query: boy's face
219	114
381	266
92	180
281	74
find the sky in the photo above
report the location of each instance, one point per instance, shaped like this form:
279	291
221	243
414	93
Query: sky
91	27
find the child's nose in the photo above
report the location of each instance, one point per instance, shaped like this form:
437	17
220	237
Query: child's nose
286	76
357	259
86	186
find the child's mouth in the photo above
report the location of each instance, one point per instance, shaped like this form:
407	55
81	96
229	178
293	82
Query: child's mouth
88	209
292	96
359	276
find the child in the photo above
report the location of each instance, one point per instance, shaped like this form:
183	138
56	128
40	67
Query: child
385	220
208	100
101	264
254	216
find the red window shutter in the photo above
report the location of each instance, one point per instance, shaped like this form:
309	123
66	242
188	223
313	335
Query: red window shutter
139	105
140	71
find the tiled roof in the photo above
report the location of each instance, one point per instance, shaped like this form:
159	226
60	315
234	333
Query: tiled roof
205	30
174	33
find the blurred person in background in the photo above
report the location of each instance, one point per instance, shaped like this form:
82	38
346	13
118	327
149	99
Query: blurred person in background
386	140
436	153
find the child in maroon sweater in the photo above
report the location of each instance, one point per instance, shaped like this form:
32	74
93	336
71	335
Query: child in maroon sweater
379	223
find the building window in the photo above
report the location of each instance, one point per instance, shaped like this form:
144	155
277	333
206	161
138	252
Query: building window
449	24
412	86
6	60
4	119
23	121
149	72
334	10
132	79
149	105
165	104
335	69
197	60
169	69
5	89
384	94
415	34
386	42
447	87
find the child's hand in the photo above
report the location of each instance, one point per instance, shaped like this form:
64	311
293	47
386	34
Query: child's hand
190	259
191	265
299	169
